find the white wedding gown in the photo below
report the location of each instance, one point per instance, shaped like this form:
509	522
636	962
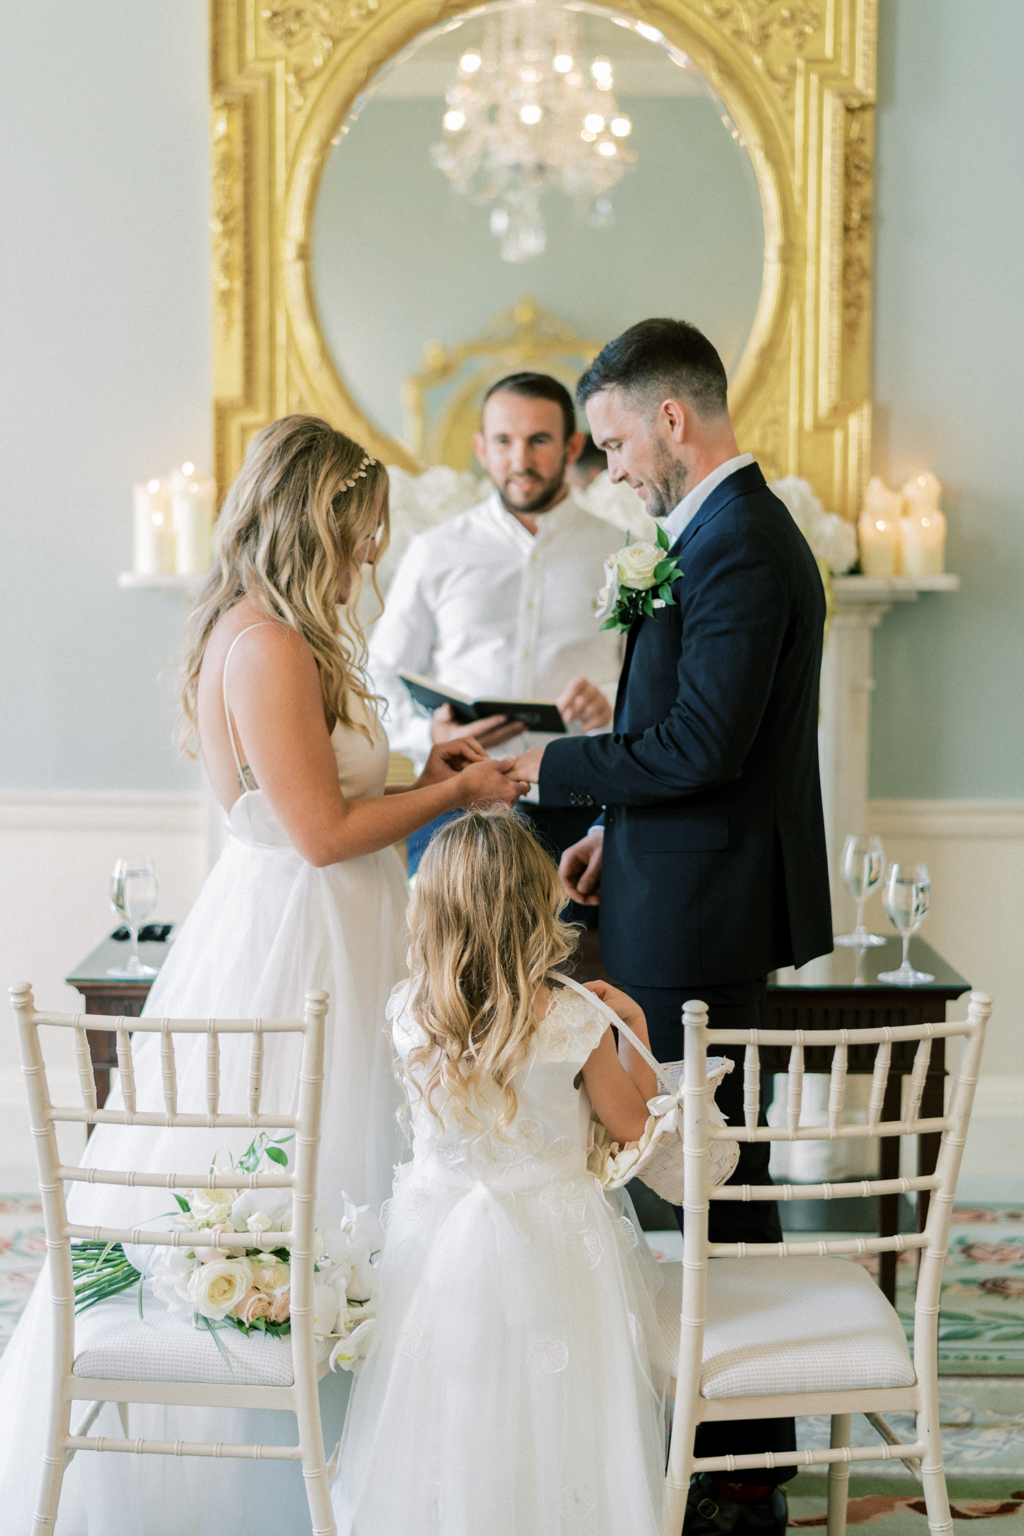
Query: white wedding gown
513	1386
266	927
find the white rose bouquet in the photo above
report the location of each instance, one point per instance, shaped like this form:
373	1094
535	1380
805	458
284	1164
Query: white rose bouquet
250	1288
639	580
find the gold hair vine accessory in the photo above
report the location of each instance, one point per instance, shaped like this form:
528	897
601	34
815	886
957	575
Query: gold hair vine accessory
360	474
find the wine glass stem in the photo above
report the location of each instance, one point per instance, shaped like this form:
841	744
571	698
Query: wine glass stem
134	961
906	953
860	915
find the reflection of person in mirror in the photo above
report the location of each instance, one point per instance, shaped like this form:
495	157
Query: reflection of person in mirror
498	602
709	863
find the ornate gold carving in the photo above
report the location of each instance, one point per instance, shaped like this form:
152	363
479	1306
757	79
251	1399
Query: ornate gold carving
224	220
526	337
775	31
857	220
312	31
795	76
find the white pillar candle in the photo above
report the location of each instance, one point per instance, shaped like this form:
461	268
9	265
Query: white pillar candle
923	528
153	532
878	530
193	508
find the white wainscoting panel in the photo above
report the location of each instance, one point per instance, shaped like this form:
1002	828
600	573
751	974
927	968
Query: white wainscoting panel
56	853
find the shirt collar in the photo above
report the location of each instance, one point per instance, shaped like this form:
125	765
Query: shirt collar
547	523
686	510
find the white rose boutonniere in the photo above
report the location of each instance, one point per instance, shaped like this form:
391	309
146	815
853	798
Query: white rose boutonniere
639	579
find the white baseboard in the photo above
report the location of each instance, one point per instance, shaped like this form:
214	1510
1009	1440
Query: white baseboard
100	811
950	820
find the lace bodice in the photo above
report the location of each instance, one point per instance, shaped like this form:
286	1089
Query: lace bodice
549	1133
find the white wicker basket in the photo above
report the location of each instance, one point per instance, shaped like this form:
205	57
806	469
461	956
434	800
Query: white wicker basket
657	1158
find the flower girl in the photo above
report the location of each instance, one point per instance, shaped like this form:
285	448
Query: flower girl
510	1387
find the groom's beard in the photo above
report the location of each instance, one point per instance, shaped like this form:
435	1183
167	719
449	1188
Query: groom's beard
667	483
530	492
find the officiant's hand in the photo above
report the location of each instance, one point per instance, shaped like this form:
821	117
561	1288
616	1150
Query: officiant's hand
580	868
489	732
583	702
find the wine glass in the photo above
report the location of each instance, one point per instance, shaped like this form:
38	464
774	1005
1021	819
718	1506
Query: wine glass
133	891
906	898
860	866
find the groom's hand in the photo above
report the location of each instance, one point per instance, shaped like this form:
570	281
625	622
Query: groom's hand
580	868
527	765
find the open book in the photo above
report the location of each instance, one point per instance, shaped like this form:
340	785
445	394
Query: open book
535	714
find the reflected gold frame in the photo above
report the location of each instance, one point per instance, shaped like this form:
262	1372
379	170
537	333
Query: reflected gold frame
797	78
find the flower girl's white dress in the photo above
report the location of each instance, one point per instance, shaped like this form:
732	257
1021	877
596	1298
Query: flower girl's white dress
266	927
510	1388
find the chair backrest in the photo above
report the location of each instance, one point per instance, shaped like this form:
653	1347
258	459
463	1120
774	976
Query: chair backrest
941	1185
300	1179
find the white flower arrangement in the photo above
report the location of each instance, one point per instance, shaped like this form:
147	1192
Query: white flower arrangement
250	1289
830	536
419	502
619	505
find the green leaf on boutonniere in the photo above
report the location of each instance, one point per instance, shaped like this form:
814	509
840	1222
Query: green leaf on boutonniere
662	537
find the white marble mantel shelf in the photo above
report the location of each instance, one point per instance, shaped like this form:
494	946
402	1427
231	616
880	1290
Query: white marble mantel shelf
889	589
844	733
166	581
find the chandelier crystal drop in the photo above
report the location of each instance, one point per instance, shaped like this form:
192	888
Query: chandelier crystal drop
527	114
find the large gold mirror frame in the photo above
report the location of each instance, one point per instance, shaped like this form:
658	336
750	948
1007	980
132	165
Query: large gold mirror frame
797	77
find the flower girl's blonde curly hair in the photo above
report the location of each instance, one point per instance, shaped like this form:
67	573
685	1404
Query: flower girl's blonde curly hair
303	501
486	923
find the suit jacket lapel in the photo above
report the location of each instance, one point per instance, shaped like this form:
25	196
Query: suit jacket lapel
620	692
741	483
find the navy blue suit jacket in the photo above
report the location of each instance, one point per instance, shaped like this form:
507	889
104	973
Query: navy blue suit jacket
715	867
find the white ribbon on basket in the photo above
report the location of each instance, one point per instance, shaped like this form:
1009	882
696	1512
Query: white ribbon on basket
659	1160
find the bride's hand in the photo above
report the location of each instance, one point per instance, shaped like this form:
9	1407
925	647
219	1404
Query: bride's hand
483	783
448	758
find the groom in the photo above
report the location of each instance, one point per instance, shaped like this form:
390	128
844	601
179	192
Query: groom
709	860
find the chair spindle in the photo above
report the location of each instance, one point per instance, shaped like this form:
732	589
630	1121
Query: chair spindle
212	1071
879	1080
922	1058
836	1088
751	1086
126	1068
85	1074
796	1087
255	1069
167	1067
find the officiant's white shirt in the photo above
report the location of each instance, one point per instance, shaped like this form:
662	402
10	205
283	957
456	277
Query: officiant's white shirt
686	510
487	608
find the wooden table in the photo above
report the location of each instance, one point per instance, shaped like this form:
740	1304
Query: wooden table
842	991
109	995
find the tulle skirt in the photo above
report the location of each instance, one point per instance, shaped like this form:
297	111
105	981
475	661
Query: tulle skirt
510	1388
266	928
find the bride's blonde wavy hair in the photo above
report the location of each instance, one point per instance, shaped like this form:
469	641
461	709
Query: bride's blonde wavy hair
486	924
304	499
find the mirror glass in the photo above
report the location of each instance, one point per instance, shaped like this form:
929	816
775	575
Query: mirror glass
563	154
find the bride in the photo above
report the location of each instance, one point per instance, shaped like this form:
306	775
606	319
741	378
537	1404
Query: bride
308	892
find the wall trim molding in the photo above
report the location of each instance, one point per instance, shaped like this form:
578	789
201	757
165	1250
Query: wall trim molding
947	819
101	810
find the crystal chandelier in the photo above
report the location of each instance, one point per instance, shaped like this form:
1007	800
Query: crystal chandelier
526	114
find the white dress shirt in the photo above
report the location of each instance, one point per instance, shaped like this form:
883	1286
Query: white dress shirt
485	607
686	510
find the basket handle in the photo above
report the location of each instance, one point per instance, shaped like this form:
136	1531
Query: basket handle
666	1082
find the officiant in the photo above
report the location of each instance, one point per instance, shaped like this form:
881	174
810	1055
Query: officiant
499	602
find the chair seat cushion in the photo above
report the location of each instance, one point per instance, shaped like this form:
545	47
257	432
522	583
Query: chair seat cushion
113	1343
790	1325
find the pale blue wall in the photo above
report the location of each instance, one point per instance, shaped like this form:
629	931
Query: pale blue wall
104	373
948	708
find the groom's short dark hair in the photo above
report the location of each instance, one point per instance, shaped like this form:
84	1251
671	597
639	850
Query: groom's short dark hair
537	386
656	360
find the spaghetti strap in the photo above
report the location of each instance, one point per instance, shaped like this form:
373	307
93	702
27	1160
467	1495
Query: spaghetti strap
265	624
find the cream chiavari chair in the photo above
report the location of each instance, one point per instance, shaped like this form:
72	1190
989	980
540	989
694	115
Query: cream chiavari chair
780	1330
127	1360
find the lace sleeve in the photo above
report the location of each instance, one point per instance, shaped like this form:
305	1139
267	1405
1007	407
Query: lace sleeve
571	1028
